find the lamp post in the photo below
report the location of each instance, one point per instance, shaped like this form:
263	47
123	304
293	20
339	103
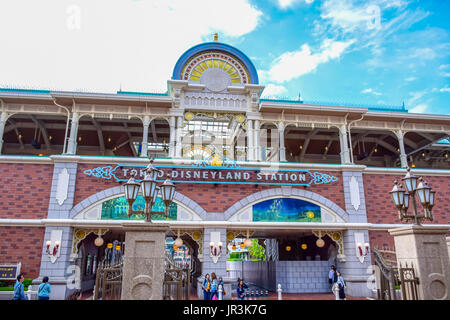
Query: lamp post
402	198
150	191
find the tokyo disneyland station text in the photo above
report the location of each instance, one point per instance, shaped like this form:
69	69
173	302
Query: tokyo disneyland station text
208	177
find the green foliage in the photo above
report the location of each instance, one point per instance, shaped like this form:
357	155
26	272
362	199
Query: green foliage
257	251
27	282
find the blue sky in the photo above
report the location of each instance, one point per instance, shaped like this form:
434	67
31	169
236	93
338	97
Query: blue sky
370	52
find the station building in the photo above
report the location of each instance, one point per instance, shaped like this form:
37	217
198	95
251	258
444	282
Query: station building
308	181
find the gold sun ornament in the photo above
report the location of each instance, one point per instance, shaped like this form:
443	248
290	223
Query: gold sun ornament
189	116
288	248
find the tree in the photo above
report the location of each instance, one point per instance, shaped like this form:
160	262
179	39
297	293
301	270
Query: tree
257	251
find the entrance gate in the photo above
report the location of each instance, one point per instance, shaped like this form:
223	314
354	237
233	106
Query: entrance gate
108	282
176	285
409	282
385	275
177	281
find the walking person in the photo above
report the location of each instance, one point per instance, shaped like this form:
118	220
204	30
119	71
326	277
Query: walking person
206	286
334	278
44	289
241	290
214	287
19	291
341	286
331	274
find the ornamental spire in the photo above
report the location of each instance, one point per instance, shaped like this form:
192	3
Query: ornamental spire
216	37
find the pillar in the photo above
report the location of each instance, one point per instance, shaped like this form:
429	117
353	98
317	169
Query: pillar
345	151
257	141
3	117
143	265
172	137
61	271
281	128
425	249
72	147
144	149
401	145
209	265
179	137
250	140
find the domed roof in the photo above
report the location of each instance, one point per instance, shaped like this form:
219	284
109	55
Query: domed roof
215	55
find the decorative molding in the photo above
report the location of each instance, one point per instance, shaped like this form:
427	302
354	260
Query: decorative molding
62	186
354	193
81	234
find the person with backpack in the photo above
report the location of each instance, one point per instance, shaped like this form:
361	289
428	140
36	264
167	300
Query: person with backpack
214	287
19	291
44	289
206	287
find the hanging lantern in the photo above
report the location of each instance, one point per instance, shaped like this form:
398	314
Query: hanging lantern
178	242
248	242
320	243
99	241
304	246
288	248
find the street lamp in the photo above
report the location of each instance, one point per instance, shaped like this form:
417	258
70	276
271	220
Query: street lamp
402	198
150	191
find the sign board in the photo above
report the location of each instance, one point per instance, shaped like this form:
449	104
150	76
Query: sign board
9	271
227	174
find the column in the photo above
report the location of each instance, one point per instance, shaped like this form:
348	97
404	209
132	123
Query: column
62	271
143	265
425	249
72	147
179	137
3	118
209	265
401	145
144	149
282	147
345	152
250	140
257	141
172	137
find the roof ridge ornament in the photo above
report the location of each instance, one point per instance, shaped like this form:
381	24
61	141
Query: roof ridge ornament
216	37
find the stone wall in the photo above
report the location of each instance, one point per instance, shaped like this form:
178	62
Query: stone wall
303	276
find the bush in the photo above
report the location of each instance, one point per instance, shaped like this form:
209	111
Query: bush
27	282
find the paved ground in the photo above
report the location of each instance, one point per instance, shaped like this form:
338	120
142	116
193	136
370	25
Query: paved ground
295	296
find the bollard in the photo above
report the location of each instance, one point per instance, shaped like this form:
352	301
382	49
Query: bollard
279	292
256	294
220	292
267	293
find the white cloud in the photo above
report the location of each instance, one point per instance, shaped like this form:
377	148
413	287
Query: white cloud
409	79
285	4
294	64
370	90
273	90
130	43
415	96
444	89
420	108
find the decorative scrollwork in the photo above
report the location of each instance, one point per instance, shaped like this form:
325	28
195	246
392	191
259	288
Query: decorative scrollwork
320	178
101	172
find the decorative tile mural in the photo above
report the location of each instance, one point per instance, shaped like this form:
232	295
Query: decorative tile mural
117	208
286	210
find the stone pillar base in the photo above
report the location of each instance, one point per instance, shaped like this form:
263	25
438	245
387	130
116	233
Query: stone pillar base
143	266
425	249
